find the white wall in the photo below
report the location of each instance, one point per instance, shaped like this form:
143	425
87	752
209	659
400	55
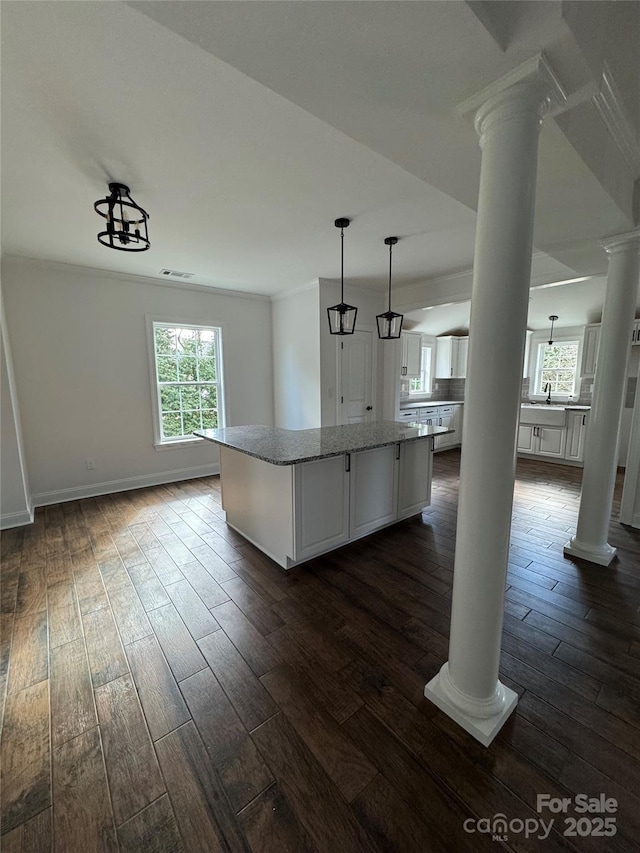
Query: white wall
83	381
15	505
296	359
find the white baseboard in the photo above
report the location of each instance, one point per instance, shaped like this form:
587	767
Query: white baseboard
16	519
110	486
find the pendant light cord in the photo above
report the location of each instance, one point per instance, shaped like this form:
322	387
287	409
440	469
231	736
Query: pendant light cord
342	265
390	248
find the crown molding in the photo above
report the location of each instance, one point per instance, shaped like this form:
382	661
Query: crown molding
611	110
141	279
301	288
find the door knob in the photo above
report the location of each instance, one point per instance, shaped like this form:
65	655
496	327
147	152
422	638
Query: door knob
369	408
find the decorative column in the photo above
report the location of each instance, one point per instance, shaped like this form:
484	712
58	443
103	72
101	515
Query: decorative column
601	446
467	687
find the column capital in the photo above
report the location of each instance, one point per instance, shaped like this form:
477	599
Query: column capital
630	242
532	87
526	99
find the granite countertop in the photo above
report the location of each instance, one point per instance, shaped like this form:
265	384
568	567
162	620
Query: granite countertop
431	404
287	446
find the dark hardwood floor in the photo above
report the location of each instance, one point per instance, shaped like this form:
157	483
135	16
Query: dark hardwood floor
166	687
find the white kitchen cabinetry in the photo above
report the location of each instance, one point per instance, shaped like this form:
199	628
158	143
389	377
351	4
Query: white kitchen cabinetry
321	505
446	419
590	350
374	489
411	354
451	357
446	416
635	336
414	477
576	432
542	439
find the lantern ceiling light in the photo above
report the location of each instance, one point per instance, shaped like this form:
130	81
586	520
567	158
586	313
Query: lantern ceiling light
126	221
389	323
553	318
342	317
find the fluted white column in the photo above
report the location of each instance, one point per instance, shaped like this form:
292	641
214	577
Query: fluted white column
467	687
601	446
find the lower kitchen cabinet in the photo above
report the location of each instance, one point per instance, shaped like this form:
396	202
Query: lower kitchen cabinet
321	494
374	489
414	478
576	432
542	440
341	498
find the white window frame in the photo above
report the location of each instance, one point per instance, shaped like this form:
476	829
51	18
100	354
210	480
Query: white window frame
431	348
152	323
538	371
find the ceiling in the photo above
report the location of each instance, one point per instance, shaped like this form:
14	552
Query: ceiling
246	128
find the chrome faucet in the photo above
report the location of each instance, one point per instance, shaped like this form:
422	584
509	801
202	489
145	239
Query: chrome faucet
547	388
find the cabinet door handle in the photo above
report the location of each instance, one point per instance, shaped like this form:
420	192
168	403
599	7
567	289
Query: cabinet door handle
398	450
452	371
584	420
347	462
440	424
369	408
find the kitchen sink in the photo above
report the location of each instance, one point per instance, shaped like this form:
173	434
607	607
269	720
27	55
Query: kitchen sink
541	413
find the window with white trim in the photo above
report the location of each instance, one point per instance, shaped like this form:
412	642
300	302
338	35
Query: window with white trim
557	367
188	380
422	384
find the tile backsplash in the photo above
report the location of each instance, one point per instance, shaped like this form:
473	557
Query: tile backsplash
443	389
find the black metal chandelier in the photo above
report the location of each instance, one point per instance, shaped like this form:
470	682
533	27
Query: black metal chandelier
126	221
553	318
342	317
389	323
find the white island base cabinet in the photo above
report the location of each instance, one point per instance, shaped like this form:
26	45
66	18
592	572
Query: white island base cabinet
296	512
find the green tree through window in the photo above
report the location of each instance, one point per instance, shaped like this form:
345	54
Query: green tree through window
187	376
558	363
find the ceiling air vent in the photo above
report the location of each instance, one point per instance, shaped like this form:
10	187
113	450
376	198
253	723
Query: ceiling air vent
177	274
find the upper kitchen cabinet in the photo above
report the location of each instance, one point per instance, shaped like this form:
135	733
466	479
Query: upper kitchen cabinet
411	342
590	350
451	357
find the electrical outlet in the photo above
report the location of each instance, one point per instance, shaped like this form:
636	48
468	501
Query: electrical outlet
91	465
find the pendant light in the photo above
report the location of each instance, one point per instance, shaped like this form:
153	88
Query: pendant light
126	221
342	317
389	323
553	318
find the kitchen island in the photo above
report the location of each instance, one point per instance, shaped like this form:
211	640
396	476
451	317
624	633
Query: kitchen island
296	494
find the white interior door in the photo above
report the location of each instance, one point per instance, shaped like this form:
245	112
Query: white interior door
356	378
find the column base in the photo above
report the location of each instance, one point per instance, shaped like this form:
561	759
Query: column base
483	729
602	556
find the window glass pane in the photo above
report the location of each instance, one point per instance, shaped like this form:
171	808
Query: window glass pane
207	369
171	425
186	341
210	419
190	397
208	397
170	398
187	369
206	344
167	368
165	340
191	421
